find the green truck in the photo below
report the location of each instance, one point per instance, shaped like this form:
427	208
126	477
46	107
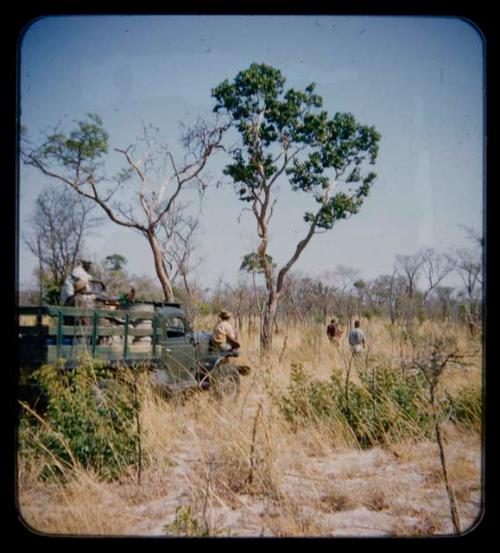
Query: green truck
155	335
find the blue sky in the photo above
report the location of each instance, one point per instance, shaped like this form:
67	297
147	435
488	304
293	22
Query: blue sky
418	80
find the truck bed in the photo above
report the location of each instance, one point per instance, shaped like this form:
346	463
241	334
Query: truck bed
52	333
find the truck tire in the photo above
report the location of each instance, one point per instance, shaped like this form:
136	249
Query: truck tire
225	383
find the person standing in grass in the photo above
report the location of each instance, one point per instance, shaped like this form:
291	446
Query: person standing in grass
333	332
357	339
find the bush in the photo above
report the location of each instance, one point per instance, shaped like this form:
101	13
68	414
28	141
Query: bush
466	407
393	407
89	420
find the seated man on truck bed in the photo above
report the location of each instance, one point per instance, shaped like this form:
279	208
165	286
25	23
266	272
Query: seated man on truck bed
76	283
224	336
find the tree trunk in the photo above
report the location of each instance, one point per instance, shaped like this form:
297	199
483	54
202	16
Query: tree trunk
160	268
455	517
266	328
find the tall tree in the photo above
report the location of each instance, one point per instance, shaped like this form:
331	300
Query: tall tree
388	290
469	267
286	134
141	196
444	296
113	273
58	226
436	267
410	267
115	262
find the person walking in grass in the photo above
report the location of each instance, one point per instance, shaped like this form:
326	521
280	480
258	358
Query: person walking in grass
357	339
334	332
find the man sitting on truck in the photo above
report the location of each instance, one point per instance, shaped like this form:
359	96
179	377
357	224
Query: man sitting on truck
76	283
224	336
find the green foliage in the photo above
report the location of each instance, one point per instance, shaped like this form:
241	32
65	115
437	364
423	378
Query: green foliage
268	117
393	408
82	148
202	308
374	312
253	263
52	291
85	422
115	262
359	284
466	407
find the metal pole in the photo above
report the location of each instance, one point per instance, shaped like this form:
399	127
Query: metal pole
155	325
59	331
125	337
94	333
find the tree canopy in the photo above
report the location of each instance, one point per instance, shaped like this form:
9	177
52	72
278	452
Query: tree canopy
286	131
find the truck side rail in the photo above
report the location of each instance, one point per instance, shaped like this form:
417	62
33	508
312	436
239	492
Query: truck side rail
50	333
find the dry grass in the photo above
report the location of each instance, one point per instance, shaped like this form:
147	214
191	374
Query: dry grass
337	499
238	468
376	497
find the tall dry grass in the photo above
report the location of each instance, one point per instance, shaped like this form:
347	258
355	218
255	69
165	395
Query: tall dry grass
219	468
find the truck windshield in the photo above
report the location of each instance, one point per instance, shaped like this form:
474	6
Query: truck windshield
175	327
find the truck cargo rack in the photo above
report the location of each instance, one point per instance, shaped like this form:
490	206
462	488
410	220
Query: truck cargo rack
48	334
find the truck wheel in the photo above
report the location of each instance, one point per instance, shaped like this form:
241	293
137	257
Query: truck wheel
225	383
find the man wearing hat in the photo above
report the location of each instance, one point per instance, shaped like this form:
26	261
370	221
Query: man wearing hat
224	336
76	283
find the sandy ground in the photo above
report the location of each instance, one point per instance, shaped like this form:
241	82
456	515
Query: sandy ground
348	493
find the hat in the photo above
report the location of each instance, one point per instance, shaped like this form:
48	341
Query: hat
225	314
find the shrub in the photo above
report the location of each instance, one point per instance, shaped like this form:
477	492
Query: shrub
387	406
89	420
466	407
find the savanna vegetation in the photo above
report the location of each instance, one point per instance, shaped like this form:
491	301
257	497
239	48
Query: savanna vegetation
302	451
320	442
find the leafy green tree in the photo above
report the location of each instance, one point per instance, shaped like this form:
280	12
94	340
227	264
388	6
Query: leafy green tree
113	273
115	262
285	133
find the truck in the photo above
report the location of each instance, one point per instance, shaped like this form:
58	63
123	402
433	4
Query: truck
155	335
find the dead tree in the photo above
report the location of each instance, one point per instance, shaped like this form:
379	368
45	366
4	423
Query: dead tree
432	363
58	226
436	267
142	195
